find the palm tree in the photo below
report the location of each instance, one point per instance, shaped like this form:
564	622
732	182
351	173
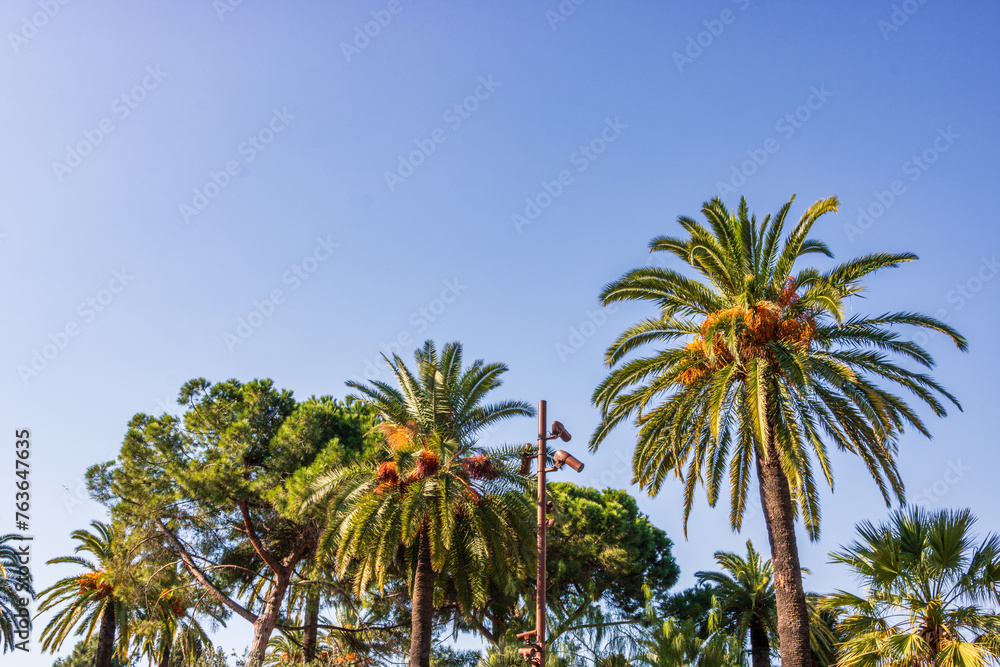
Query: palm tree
824	631
86	601
170	630
505	655
757	369
430	490
745	600
678	644
284	650
15	583
929	597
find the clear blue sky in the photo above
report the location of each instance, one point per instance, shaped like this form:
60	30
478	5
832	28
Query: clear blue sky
170	170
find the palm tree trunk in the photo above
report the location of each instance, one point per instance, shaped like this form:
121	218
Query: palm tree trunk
106	635
422	605
793	616
165	654
760	647
264	625
311	623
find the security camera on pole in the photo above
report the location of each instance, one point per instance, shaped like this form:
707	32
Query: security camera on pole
534	653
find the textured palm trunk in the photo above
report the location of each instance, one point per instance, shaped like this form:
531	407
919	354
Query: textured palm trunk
793	616
423	605
264	625
165	655
311	631
760	647
106	636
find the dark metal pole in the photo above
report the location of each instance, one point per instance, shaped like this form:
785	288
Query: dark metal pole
540	580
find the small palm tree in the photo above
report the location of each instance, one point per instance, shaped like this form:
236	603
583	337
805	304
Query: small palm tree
929	593
757	369
505	655
15	583
449	504
284	650
678	644
92	600
745	600
169	630
824	631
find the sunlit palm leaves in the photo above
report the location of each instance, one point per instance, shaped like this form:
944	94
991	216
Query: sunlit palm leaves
432	487
757	368
928	597
169	629
471	521
677	644
744	593
88	600
752	349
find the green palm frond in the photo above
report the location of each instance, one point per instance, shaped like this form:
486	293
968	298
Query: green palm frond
80	602
710	361
465	500
928	592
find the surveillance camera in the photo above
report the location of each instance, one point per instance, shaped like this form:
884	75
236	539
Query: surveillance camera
565	458
559	430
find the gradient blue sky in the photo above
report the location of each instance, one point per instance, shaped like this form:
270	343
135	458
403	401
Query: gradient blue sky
756	98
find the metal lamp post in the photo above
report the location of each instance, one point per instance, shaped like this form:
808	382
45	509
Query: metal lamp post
535	652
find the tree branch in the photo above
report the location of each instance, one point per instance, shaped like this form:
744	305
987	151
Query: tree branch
265	555
367	628
200	576
482	630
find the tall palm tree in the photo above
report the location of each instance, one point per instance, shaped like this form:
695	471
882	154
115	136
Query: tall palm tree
431	491
929	593
744	593
758	367
15	583
92	600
